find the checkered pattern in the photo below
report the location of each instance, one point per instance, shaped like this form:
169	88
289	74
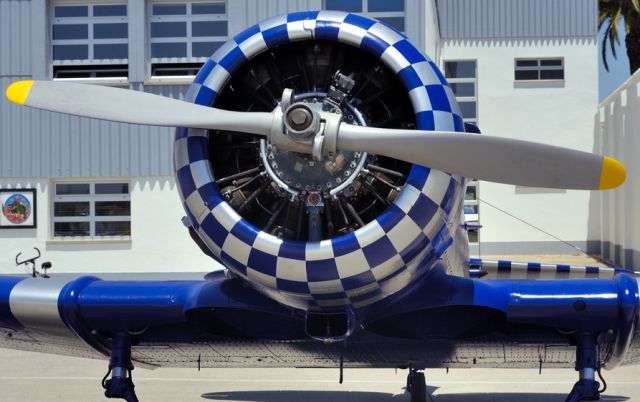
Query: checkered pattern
355	269
534	270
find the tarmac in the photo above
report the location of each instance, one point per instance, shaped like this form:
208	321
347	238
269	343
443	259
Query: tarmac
35	377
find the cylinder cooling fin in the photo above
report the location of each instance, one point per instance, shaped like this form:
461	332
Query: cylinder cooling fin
347	230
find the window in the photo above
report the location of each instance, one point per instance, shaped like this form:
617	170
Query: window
391	12
101	209
185	33
471	210
462	78
89	40
539	69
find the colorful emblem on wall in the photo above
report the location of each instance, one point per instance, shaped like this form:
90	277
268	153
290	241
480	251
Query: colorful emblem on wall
18	208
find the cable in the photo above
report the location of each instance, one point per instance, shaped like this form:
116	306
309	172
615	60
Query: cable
535	227
604	383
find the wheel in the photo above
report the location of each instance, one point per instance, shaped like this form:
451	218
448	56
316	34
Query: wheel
418	388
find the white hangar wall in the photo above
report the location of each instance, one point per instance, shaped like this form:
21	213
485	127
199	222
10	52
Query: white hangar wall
616	134
158	242
554	112
495	33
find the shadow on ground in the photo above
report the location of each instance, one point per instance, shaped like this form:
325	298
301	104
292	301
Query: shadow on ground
360	396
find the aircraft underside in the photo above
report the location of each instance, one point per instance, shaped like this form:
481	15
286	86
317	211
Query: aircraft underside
370	352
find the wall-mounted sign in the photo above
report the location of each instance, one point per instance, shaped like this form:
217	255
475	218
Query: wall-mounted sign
18	208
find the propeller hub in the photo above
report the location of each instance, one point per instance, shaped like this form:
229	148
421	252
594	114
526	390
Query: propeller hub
301	122
299	118
296	171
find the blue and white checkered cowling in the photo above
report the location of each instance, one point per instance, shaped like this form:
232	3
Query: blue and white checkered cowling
356	269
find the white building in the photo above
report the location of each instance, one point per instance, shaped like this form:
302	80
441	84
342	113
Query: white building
526	69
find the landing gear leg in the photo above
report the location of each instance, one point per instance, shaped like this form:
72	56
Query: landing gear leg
416	385
586	389
121	383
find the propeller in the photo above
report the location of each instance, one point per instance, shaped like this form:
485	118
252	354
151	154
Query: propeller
126	106
497	159
484	157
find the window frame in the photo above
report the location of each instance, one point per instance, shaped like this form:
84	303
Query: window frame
188	39
539	68
91	218
379	14
474	81
473	218
90	20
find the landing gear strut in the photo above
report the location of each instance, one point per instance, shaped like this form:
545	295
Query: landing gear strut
587	388
121	383
416	385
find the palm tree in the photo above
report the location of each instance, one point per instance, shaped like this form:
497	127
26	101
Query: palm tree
611	11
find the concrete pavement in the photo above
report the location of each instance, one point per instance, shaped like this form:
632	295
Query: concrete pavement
35	377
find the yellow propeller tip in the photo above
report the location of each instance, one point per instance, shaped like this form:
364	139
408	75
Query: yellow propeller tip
613	173
18	91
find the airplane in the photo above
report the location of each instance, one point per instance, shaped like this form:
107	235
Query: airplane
322	159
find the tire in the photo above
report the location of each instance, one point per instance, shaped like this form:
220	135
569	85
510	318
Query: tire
418	388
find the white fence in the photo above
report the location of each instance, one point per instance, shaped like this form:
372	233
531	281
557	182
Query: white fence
616	213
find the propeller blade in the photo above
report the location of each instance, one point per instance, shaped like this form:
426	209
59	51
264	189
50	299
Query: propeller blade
127	106
483	157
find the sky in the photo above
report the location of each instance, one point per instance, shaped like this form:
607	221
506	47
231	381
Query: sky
618	69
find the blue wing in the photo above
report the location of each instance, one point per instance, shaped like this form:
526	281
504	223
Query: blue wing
444	321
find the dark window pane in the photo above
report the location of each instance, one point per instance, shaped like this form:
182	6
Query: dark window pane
394	22
115	51
110	10
209	28
552	74
113	228
169	9
471	193
526	75
463	89
71	11
527	63
70	31
70	52
470	209
113	208
386	5
460	69
112	188
468	109
473	235
172	69
62	229
208	8
90	71
354	6
110	31
204	49
168	29
555	62
72	189
71	208
168	50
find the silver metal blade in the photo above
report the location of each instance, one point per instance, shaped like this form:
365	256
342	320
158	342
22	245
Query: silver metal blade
128	106
483	157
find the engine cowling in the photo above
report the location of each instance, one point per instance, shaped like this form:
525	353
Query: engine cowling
321	235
